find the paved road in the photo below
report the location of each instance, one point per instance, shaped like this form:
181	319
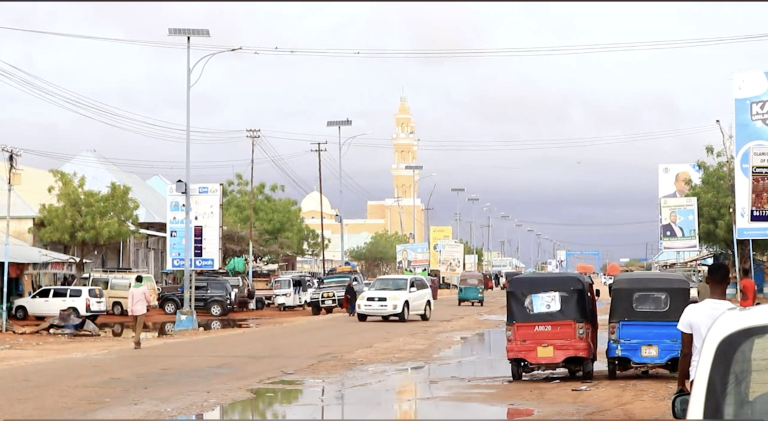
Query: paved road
174	376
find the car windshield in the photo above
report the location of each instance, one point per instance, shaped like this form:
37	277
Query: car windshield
343	280
283	283
389	284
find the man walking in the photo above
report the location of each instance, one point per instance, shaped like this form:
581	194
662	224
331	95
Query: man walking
697	319
351	296
748	289
138	303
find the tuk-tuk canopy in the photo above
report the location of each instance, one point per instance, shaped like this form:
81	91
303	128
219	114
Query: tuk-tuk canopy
649	296
511	274
471	279
549	297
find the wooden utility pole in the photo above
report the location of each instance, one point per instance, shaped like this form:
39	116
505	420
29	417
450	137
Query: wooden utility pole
319	151
253	134
13	157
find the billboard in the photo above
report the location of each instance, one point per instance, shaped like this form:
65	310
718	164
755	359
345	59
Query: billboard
560	262
470	262
206	216
679	224
437	234
413	257
552	265
750	91
451	258
673	179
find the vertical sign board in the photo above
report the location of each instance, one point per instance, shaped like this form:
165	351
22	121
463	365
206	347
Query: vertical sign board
451	258
436	235
560	254
206	200
470	262
674	183
751	149
679	224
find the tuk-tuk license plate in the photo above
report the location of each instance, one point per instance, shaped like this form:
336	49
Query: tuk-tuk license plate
649	351
328	302
545	351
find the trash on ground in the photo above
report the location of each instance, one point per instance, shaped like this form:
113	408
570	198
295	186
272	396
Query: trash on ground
66	323
555	381
581	389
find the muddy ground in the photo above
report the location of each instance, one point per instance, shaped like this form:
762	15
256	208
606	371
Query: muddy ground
193	372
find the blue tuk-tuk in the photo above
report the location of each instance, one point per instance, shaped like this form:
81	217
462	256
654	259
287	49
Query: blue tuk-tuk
471	288
642	331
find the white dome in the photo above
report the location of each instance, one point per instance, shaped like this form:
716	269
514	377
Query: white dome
311	203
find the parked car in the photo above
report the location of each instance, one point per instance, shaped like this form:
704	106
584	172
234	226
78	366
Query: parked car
88	302
212	294
117	282
396	295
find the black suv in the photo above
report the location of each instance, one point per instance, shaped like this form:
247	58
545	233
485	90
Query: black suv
211	294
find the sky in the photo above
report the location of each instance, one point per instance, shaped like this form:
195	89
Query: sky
568	144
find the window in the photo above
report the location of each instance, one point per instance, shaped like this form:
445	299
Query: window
43	293
543	302
96	293
650	301
102	283
420	284
60	293
217	287
389	284
471	282
120	285
75	293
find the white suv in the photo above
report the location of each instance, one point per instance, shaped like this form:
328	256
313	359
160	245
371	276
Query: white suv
88	302
396	295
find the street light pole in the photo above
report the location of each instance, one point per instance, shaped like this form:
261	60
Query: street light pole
472	199
340	124
531	248
538	250
458	191
490	225
517	253
505	217
413	168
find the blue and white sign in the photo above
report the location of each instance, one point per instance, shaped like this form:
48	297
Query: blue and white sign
206	217
750	91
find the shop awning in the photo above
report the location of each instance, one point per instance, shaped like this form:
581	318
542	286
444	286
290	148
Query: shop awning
21	252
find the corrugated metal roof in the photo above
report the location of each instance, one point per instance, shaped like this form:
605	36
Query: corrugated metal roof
99	173
21	252
160	184
20	209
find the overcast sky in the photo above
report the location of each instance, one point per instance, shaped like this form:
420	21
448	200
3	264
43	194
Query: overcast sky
486	123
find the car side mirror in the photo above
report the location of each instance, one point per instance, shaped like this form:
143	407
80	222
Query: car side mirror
597	293
413	289
680	405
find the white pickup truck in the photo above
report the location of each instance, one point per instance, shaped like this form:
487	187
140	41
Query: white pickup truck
732	376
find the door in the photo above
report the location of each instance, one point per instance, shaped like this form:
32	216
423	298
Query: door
59	301
103	283
38	302
417	303
424	291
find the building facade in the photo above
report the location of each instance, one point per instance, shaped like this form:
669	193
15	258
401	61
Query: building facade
395	214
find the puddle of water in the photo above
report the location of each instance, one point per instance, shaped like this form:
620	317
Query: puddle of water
155	329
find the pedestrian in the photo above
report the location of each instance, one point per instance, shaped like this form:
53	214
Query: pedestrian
747	288
138	304
697	319
350	295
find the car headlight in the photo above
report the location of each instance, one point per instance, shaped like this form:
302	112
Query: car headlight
394	298
361	298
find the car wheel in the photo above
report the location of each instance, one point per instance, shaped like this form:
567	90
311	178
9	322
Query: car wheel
517	371
117	330
117	309
216	309
316	311
362	317
258	305
329	310
587	370
405	314
216	325
385	318
20	313
612	370
427	312
280	307
169	307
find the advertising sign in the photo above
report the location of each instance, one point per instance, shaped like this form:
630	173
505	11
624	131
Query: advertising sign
436	235
679	224
552	265
451	258
205	213
503	263
673	179
413	257
560	255
750	91
470	262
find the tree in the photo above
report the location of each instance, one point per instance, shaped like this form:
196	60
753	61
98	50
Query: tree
634	264
468	250
379	255
278	229
85	220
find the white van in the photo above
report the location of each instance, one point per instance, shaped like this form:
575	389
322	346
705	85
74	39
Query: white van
88	302
116	286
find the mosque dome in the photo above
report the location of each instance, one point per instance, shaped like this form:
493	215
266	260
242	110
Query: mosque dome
311	203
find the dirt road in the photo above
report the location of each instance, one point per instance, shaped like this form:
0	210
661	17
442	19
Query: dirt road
193	373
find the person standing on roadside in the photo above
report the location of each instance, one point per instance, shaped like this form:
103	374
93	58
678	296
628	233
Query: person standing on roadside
697	319
351	296
748	289
138	303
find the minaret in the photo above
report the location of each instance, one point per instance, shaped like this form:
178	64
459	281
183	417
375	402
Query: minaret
405	146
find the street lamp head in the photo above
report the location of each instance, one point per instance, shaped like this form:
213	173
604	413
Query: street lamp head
518	225
189	32
458	190
338	123
473	199
530	230
504	216
538	234
414	167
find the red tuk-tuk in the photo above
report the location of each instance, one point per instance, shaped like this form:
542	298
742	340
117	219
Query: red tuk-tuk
552	323
488	281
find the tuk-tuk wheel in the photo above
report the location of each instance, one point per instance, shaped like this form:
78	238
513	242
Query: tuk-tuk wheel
459	302
316	311
481	303
587	370
280	307
473	304
517	371
572	373
612	365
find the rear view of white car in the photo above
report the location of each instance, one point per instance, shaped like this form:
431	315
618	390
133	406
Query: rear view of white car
88	302
396	295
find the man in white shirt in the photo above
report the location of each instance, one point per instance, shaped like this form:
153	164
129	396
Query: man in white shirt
697	319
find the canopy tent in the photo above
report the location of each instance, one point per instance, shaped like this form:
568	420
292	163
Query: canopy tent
21	252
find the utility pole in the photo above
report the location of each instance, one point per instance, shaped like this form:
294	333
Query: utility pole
517	254
503	248
319	151
458	191
727	147
252	134
13	157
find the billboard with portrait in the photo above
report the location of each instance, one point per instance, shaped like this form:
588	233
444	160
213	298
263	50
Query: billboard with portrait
436	235
413	257
673	179
750	91
679	224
